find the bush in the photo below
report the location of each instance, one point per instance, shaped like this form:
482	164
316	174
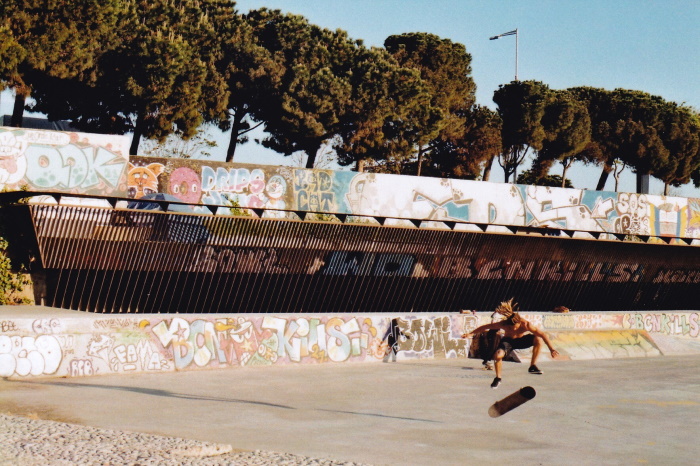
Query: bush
11	283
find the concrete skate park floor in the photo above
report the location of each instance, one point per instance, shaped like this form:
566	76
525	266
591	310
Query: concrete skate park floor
622	411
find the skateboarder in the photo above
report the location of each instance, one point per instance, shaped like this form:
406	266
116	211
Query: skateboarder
516	333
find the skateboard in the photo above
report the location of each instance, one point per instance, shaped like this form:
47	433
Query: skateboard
512	401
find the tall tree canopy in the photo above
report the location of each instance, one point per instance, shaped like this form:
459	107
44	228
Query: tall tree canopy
567	128
521	105
59	39
332	88
252	73
469	151
643	131
160	78
445	66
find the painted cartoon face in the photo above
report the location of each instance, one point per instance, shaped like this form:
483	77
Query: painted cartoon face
143	180
276	187
185	185
12	159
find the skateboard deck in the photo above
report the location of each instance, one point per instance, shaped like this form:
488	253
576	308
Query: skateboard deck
512	401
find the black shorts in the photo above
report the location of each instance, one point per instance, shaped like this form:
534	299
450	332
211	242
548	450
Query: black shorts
509	344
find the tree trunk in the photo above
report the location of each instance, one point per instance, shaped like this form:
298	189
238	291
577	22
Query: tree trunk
643	183
603	177
311	160
487	169
360	166
18	111
136	139
666	186
233	142
421	151
312	151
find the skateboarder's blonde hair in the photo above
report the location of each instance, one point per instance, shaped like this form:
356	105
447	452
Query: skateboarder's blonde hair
508	309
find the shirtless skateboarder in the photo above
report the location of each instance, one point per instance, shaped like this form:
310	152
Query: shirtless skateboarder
516	333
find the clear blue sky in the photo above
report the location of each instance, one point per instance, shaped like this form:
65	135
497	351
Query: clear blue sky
652	46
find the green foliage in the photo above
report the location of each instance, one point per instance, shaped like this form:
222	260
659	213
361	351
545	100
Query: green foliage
160	68
11	283
643	131
465	154
332	89
252	73
159	78
521	105
533	178
58	39
567	129
445	68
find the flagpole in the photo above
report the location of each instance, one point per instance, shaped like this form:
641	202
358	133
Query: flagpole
516	54
511	33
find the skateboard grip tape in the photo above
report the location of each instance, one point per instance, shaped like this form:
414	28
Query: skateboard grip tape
512	401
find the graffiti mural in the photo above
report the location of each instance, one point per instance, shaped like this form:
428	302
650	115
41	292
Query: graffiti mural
70	162
432	199
82	347
29	355
676	324
85	163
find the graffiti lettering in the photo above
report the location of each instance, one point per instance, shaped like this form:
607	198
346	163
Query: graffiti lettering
80	368
115	323
7	326
351	263
46	326
431	335
70	167
240	260
558	322
314	191
240	186
337	339
195	342
668	324
29	356
677	276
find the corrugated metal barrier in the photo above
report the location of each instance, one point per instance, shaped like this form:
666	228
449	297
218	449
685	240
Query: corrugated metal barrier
112	260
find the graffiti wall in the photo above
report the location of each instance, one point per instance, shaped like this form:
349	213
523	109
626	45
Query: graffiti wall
89	345
402	196
70	162
66	162
92	346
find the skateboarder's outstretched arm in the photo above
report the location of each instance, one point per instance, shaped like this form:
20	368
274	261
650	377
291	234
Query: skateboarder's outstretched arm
539	333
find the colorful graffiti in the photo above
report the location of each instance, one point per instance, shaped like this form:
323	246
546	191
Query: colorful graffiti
62	161
81	347
434	199
97	164
677	324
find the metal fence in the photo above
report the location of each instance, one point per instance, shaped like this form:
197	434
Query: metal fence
113	260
